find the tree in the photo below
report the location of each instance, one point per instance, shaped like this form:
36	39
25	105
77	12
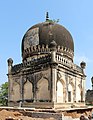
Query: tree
4	94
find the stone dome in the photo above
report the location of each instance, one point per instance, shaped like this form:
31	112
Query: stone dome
44	33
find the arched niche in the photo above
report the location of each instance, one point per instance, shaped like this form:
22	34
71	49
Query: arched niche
70	93
42	90
28	94
16	91
60	91
78	95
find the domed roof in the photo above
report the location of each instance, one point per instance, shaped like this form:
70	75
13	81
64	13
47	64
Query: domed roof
43	34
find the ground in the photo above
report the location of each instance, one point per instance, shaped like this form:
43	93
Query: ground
22	114
10	115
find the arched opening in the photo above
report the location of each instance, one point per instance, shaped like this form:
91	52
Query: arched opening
43	94
59	92
16	92
78	95
28	94
70	93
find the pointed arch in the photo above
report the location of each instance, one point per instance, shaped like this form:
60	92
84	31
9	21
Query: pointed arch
16	92
43	92
78	95
60	91
28	94
62	81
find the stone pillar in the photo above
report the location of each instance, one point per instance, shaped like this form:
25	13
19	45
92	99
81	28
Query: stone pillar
64	94
54	81
10	81
74	99
83	65
53	70
83	90
34	88
66	78
21	88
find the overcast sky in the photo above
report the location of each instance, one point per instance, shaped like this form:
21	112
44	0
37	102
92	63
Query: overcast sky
16	16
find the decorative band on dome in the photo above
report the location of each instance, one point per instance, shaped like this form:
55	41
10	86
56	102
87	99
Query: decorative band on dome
35	50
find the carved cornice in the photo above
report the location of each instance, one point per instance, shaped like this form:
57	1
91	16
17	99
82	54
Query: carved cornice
66	51
32	66
34	50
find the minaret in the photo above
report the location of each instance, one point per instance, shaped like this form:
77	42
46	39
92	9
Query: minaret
83	65
10	88
10	63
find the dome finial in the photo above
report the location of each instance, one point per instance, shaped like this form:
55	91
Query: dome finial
47	16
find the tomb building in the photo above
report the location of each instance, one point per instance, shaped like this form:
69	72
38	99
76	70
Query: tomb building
47	77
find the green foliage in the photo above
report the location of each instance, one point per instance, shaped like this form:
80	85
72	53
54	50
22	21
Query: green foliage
4	94
54	21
